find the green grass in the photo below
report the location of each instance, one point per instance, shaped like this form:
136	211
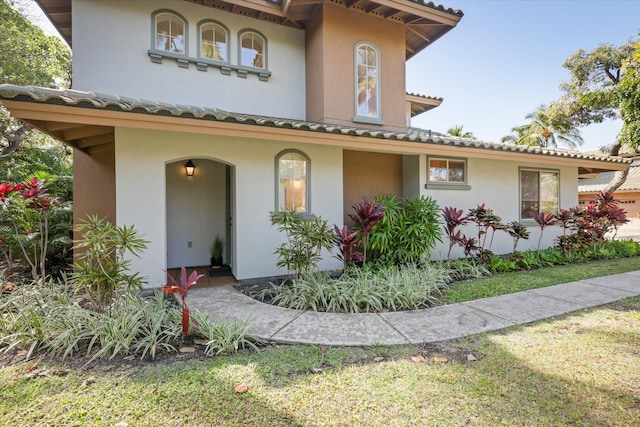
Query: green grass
506	283
579	369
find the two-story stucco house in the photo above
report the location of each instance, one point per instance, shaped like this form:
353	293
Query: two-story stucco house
280	104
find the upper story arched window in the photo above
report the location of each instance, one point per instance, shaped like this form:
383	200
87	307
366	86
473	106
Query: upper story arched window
214	41
252	49
170	32
292	181
367	82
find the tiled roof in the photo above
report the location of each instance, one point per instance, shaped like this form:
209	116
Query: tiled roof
441	8
417	95
600	182
80	99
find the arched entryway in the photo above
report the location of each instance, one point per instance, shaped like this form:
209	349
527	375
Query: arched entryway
198	208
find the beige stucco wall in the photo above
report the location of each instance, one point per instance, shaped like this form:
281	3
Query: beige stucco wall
141	159
94	184
110	43
369	174
331	39
496	184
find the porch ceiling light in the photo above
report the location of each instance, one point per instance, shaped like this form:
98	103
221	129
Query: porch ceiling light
190	168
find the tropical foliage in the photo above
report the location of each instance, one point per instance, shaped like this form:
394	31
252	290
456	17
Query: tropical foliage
102	267
458	130
542	131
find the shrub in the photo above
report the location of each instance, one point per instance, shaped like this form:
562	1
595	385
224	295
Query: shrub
50	318
462	269
102	268
306	237
32	222
363	289
222	337
367	215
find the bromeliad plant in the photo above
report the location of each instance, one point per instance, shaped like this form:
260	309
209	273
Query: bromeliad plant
182	288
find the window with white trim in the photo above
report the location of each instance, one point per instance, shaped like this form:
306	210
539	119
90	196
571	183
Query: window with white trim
292	175
170	33
539	192
447	171
253	49
214	41
367	81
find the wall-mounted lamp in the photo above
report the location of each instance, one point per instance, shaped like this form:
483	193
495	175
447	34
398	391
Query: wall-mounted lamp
190	168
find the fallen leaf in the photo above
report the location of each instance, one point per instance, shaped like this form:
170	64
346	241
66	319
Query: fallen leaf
131	357
323	348
241	388
380	359
155	390
121	424
471	358
200	342
440	359
32	368
86	382
22	353
418	359
187	349
316	370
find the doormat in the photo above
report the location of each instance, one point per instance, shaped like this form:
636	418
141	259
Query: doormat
220	272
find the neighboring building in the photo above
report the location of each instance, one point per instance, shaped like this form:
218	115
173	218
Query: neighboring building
628	194
279	104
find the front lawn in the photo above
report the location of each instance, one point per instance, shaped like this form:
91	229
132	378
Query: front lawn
507	283
579	369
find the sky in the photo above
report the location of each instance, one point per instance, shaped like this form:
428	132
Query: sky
504	59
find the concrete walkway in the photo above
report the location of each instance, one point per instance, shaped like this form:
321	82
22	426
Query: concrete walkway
272	323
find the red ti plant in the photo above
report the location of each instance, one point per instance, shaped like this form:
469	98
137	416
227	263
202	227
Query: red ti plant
182	288
27	207
517	231
347	242
543	219
367	215
453	218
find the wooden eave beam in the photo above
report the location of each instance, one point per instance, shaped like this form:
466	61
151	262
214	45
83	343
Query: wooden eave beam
86	132
419	34
95	140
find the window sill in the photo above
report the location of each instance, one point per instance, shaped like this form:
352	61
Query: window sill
203	64
446	186
368	120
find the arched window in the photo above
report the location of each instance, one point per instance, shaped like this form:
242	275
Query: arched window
253	49
214	41
292	176
367	81
170	32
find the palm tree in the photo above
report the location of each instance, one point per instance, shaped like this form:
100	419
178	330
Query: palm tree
517	135
543	132
457	130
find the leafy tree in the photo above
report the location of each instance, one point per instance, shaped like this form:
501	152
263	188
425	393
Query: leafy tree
604	84
543	131
27	57
457	130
